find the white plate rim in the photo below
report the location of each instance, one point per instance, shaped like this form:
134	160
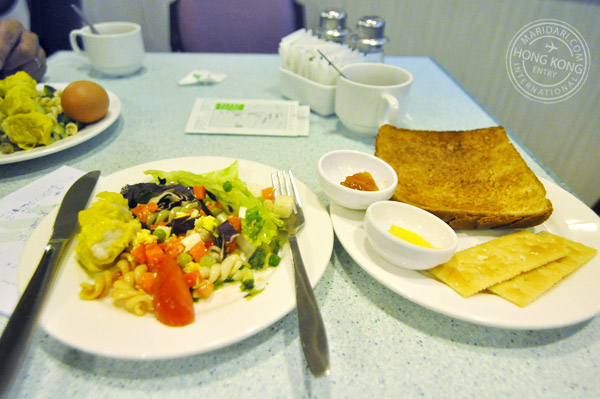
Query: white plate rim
64	316
85	134
562	306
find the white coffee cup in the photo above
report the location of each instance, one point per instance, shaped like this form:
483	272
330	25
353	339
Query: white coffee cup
118	50
371	95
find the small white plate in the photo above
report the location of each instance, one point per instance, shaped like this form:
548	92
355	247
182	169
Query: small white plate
101	328
573	300
89	131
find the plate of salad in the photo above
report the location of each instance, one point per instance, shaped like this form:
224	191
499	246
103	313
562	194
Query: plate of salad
204	231
59	139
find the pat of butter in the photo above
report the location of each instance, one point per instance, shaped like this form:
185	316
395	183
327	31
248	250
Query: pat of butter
409	236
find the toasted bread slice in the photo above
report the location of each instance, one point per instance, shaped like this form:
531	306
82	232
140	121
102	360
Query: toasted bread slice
471	179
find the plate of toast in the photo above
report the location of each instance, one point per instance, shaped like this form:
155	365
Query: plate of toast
527	252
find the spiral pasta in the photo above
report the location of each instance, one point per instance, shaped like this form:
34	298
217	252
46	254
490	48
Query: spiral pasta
71	129
219	272
126	290
134	300
100	288
51	101
52	105
167	215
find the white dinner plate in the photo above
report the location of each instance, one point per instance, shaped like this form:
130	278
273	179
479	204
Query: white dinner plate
89	131
101	328
573	300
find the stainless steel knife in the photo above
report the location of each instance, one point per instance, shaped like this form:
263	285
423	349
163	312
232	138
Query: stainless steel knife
19	329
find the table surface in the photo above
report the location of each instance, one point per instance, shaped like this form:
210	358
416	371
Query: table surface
381	344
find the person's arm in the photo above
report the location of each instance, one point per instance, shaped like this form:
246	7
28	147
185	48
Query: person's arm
20	50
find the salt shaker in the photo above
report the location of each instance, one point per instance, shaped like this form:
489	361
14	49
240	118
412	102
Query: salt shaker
332	25
370	38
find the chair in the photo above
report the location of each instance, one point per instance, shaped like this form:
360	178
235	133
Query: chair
233	26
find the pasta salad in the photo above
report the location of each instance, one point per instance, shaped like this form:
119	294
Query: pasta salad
159	247
30	117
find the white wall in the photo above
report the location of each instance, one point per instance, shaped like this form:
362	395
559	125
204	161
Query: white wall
470	39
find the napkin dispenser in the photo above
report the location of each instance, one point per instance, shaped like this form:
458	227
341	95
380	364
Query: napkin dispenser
320	97
307	77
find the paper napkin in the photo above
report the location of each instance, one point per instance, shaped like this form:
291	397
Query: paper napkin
201	76
249	117
20	213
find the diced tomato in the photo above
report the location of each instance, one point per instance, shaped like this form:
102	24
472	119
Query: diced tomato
212	205
173	304
203	290
146	281
236	222
267	193
198	251
230	247
154	256
174	247
139	254
141	211
154	226
199	192
192	278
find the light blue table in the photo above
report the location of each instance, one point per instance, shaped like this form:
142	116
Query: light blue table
381	345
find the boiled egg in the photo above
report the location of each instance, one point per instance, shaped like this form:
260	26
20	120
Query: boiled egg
85	101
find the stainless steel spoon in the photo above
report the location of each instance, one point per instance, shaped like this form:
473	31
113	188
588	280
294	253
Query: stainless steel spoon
84	19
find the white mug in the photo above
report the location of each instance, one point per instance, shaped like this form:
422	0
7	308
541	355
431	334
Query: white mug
372	94
118	50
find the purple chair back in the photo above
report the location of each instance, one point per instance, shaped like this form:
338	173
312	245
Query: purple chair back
233	26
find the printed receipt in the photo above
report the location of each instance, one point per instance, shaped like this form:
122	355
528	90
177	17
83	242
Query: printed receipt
249	117
20	213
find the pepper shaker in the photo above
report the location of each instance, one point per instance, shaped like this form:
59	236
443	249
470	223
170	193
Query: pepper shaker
332	25
370	38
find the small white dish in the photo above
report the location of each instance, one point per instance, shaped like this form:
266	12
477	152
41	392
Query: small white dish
319	97
335	166
381	216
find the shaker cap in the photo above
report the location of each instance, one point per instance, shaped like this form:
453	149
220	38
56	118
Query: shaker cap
370	27
332	25
332	19
369	37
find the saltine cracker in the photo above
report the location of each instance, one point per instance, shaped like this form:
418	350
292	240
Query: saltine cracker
526	287
477	268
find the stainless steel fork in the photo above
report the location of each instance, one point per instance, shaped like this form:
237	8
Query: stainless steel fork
310	322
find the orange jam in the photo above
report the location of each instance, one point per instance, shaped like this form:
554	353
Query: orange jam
362	181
